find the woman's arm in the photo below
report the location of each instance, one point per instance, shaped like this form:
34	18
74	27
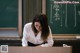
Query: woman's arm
50	41
24	39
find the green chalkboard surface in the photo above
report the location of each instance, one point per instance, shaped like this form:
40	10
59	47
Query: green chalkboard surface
64	16
8	13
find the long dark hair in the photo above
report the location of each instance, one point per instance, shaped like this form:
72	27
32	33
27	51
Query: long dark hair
42	19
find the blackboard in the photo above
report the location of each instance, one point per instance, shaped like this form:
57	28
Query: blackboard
8	13
63	16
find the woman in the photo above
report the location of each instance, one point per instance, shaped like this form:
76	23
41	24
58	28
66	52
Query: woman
37	33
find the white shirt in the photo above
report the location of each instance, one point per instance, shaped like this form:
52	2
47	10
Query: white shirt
28	35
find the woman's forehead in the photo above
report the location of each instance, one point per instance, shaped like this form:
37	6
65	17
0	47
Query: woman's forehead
37	23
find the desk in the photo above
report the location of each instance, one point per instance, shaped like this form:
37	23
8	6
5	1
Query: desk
19	49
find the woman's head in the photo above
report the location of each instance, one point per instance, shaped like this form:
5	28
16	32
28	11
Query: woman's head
40	23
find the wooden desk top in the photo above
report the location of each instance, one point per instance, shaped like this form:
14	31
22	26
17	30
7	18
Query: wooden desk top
19	49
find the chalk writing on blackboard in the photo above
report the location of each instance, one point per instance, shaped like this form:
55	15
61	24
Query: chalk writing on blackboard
56	12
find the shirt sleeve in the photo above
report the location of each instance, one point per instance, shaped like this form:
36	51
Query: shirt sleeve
50	41
24	39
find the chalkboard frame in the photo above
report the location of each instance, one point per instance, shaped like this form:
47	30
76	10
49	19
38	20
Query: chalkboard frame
19	28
